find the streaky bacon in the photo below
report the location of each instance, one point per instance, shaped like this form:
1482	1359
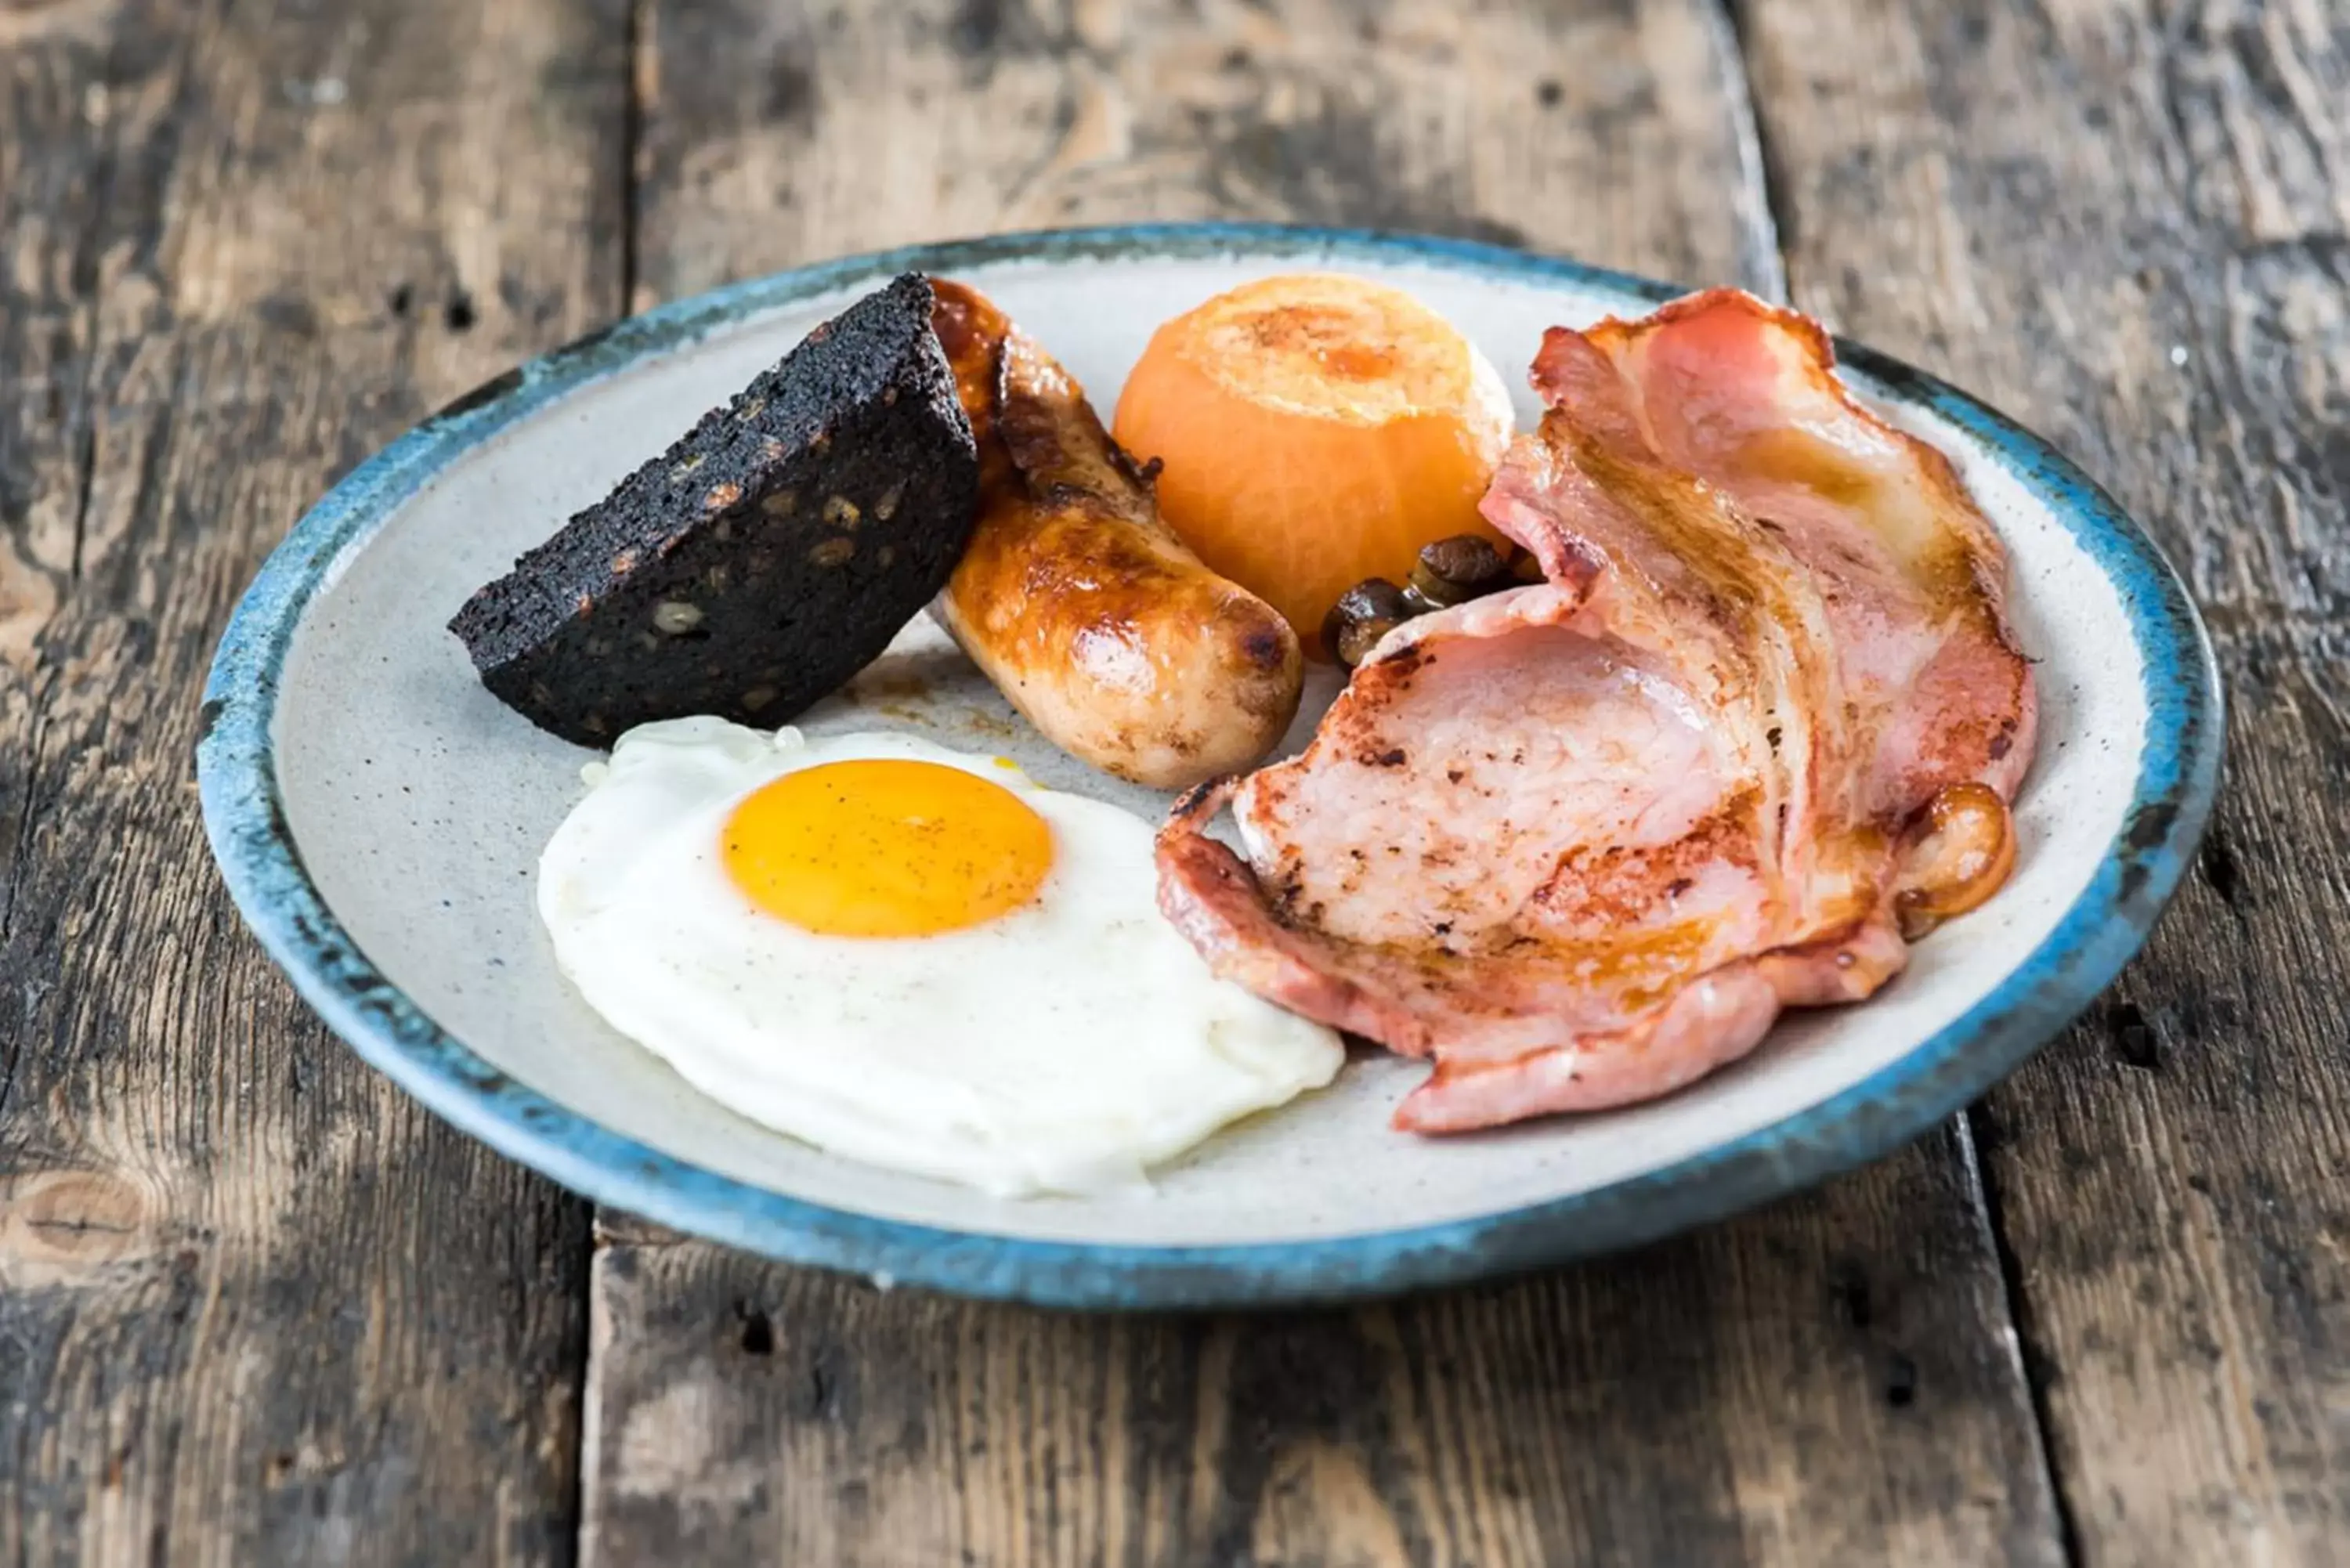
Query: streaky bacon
1581	841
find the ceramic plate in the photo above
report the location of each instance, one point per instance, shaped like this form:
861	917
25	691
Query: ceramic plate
378	816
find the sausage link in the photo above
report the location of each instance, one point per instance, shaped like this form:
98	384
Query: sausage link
1086	611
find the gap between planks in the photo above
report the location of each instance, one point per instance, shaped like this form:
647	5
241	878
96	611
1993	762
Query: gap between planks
2032	1356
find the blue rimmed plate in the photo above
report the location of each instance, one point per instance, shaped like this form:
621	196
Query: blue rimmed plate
377	816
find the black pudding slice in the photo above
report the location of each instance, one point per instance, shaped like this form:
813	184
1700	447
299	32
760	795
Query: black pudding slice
761	561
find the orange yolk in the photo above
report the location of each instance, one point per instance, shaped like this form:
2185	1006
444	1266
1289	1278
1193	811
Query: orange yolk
885	847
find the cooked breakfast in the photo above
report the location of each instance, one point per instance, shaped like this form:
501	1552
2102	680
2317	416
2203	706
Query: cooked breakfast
762	560
908	956
1695	703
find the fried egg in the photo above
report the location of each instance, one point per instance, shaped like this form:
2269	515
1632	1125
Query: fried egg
908	956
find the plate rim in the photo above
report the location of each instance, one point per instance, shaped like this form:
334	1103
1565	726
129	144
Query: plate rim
253	844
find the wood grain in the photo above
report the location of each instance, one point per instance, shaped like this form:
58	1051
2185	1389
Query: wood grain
1834	1380
254	1305
1822	1383
773	135
2128	222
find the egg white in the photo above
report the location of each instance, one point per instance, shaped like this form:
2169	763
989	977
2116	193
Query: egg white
1064	1047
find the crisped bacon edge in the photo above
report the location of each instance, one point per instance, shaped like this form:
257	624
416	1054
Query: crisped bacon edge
1210	894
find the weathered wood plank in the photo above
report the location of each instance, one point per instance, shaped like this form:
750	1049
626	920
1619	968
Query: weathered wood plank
2125	220
1821	1383
778	134
254	1305
54	152
1834	1380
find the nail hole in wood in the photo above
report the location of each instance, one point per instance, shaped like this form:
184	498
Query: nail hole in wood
2135	1043
1902	1382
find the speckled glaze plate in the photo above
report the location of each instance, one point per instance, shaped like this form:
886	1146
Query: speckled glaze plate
379	817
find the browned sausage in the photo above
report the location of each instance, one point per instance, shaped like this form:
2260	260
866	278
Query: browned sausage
1086	609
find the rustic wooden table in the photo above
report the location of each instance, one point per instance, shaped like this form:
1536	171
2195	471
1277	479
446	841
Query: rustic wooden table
255	1306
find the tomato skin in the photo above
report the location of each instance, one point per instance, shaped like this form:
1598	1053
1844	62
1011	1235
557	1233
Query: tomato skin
1313	431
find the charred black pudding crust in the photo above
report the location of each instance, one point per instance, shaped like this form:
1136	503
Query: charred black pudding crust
761	561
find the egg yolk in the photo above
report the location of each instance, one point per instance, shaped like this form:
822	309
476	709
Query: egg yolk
885	847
